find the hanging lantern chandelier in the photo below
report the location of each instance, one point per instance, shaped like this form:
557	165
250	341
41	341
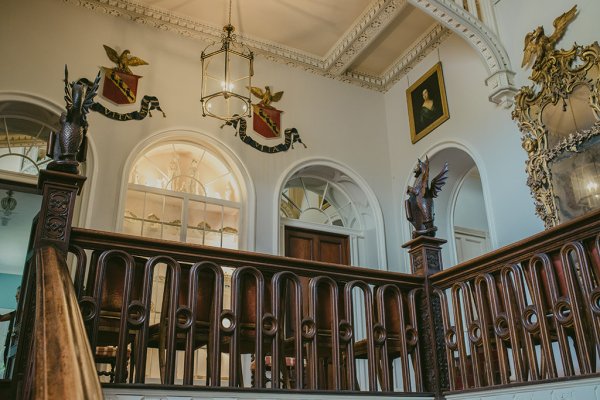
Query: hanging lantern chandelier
227	70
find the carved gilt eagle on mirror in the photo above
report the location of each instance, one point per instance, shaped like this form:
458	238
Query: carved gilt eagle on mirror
537	44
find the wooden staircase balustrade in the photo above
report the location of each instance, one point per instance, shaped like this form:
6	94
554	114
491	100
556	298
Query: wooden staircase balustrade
526	313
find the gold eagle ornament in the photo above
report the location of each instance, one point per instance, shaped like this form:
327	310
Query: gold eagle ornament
265	96
123	61
537	44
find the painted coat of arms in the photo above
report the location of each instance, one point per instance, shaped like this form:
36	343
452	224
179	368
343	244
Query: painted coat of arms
120	84
266	119
120	87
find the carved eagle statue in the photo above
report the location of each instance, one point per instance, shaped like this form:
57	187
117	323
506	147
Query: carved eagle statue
265	96
537	44
419	205
123	61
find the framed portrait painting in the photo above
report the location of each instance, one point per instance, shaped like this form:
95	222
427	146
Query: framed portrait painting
427	104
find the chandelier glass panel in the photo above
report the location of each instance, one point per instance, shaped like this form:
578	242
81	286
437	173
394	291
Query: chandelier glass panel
227	70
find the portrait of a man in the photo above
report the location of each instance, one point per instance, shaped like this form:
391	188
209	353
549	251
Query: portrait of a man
427	105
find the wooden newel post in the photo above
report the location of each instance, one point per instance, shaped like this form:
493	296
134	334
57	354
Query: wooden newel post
425	260
59	192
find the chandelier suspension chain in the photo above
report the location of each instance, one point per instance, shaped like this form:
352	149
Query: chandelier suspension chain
229	12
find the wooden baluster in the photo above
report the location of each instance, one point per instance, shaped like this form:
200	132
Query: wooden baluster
536	265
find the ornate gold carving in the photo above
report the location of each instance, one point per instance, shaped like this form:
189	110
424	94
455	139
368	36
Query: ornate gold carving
555	73
537	43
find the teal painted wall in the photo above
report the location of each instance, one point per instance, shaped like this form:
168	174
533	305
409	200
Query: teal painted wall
8	287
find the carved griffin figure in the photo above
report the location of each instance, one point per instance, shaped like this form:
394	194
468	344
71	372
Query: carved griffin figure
419	205
65	146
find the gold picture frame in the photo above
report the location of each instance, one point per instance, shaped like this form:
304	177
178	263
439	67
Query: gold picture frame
427	103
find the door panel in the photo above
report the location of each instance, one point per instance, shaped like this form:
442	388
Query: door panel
317	246
300	247
332	252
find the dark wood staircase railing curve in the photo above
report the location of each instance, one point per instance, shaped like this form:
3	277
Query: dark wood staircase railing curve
526	313
59	363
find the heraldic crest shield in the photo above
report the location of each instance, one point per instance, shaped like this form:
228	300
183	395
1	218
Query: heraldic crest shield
266	121
120	84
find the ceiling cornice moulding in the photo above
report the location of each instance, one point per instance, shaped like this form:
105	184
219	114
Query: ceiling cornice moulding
428	42
335	64
368	26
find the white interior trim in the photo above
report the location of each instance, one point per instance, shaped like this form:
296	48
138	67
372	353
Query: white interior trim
156	394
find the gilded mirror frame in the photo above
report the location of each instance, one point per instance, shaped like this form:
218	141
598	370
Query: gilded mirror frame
556	75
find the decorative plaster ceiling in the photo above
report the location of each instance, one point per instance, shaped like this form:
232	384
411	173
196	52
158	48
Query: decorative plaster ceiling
372	43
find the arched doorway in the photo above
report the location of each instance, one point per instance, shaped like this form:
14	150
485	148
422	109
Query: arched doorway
26	122
469	220
324	197
461	212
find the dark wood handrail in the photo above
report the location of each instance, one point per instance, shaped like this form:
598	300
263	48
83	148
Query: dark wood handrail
88	238
575	229
63	363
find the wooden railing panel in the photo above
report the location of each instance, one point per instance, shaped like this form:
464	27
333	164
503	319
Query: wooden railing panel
295	317
525	313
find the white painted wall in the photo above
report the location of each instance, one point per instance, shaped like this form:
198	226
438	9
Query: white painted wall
335	120
364	130
469	211
481	128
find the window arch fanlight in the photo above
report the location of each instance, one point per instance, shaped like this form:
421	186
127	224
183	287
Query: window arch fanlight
318	200
24	132
183	191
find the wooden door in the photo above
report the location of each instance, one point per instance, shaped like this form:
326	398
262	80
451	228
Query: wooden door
317	246
327	247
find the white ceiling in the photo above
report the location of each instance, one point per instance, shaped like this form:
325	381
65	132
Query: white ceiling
372	43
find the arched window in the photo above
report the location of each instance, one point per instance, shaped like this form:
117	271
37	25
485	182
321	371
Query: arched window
183	192
24	132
